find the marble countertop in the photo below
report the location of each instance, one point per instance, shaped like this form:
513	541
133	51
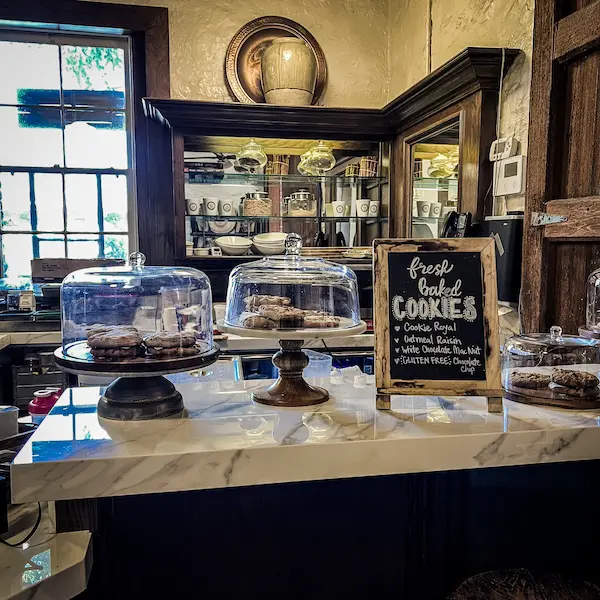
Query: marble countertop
49	565
226	440
233	343
236	343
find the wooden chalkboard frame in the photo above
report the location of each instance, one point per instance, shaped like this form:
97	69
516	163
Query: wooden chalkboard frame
386	386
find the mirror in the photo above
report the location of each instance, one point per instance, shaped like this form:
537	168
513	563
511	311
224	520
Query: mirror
435	169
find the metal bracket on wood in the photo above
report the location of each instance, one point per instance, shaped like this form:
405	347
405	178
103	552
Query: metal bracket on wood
538	219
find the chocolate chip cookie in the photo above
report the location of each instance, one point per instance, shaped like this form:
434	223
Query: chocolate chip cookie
574	379
115	338
253	303
168	339
530	381
115	353
99	328
321	321
172	352
257	322
285	317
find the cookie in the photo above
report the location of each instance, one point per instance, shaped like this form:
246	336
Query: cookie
574	379
114	353
115	338
254	302
168	339
171	352
258	323
530	381
99	328
588	392
284	316
321	321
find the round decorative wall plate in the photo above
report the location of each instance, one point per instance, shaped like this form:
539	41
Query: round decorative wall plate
244	53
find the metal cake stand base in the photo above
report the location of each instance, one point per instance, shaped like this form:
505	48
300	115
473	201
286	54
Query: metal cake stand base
291	389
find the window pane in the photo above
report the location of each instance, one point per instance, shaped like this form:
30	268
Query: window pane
95	139
52	246
17	252
116	246
83	246
49	201
29	73
114	202
93	76
14	192
81	193
30	137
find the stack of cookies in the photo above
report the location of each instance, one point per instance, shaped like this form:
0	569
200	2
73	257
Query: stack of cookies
124	342
113	342
563	381
277	312
166	344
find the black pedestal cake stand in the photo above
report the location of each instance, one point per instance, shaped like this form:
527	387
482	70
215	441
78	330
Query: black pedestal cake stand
140	392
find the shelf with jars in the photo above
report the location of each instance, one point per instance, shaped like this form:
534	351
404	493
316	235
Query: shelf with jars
331	193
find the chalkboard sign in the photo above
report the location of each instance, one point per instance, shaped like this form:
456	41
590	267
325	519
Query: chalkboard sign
436	318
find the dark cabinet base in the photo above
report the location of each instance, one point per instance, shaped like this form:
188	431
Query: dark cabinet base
411	536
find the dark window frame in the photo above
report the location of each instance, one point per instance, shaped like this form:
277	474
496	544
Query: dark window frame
148	28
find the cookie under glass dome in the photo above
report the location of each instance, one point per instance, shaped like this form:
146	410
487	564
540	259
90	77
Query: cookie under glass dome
291	292
157	312
552	368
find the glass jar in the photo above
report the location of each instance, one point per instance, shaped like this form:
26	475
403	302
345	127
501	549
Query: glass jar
138	301
257	204
593	302
292	292
551	365
252	156
304	168
320	158
302	204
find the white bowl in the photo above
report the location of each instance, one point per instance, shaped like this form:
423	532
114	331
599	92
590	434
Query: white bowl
233	245
266	239
269	249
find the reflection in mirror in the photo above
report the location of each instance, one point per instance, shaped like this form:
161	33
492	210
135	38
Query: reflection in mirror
435	168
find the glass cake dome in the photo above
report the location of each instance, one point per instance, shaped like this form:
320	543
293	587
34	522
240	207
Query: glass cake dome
552	366
132	311
292	292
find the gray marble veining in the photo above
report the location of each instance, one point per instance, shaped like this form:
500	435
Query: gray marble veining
226	440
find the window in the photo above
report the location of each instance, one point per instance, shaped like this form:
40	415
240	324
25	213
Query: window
65	148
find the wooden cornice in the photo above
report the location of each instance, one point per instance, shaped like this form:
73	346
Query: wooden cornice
472	70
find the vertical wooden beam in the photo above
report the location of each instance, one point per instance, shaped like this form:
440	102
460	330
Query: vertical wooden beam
539	183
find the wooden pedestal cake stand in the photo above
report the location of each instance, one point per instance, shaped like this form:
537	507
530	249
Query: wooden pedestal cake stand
140	392
291	389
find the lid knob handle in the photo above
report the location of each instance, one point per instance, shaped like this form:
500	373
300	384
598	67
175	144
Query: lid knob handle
293	244
555	333
137	260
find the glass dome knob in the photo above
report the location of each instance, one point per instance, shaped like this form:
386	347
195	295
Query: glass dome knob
137	260
293	244
555	333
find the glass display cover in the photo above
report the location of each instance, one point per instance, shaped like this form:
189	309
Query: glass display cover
156	311
292	292
549	365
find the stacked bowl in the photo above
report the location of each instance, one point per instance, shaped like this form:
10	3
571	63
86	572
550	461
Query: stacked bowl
269	244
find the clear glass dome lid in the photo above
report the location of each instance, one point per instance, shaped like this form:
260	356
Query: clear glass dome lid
144	300
292	292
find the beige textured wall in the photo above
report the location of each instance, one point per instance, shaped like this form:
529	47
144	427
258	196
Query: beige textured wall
352	33
456	24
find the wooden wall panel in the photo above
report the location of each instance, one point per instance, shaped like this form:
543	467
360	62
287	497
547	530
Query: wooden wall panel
569	266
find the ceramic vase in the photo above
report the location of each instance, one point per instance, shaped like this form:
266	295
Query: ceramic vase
289	72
